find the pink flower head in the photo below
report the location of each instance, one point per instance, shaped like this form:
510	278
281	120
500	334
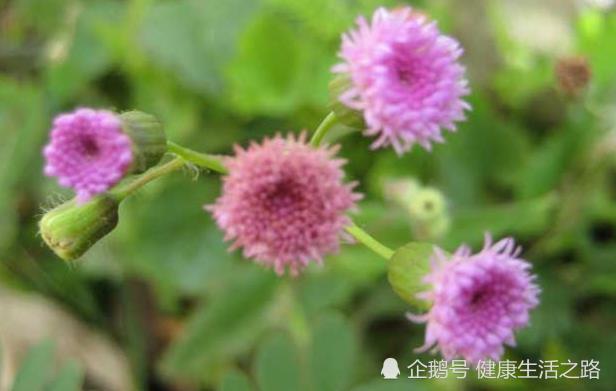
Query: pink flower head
284	202
405	78
478	301
88	151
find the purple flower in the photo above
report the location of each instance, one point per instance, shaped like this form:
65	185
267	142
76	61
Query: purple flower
405	77
88	151
478	301
284	202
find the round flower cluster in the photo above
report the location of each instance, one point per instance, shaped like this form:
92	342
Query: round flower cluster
88	151
284	202
478	301
404	77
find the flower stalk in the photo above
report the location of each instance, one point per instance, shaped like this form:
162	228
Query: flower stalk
203	160
124	190
324	127
367	240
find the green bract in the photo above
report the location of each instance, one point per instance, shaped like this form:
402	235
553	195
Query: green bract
148	137
407	268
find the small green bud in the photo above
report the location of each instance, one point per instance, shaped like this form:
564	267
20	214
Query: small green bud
346	115
428	211
400	190
148	137
426	206
71	229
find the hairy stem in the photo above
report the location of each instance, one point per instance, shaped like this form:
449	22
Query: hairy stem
126	189
324	127
203	160
364	238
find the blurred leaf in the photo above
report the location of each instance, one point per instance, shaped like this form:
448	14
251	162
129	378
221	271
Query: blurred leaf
21	120
277	366
332	353
235	380
225	326
553	317
36	368
263	75
277	68
195	39
29	14
323	290
485	149
545	168
596	33
80	54
339	17
70	378
517	218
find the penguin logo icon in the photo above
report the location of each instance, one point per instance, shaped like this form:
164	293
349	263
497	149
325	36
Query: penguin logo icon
390	369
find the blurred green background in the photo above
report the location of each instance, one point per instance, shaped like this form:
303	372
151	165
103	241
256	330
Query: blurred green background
160	304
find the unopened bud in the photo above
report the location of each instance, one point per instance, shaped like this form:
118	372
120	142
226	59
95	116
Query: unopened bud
71	228
426	206
148	138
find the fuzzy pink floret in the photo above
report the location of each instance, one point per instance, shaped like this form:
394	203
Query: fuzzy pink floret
284	202
405	78
478	301
88	151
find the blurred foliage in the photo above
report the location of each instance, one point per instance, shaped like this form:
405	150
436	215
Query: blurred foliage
37	373
529	162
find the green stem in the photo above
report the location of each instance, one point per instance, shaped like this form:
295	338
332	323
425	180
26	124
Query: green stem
124	190
364	238
203	160
324	127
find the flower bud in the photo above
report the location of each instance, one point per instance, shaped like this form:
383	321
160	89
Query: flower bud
426	207
346	115
148	139
428	213
71	228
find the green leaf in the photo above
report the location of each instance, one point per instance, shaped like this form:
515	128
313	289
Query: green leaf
228	325
333	353
523	218
278	68
235	380
36	368
87	55
597	33
317	292
70	378
195	40
277	364
263	75
409	264
22	122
